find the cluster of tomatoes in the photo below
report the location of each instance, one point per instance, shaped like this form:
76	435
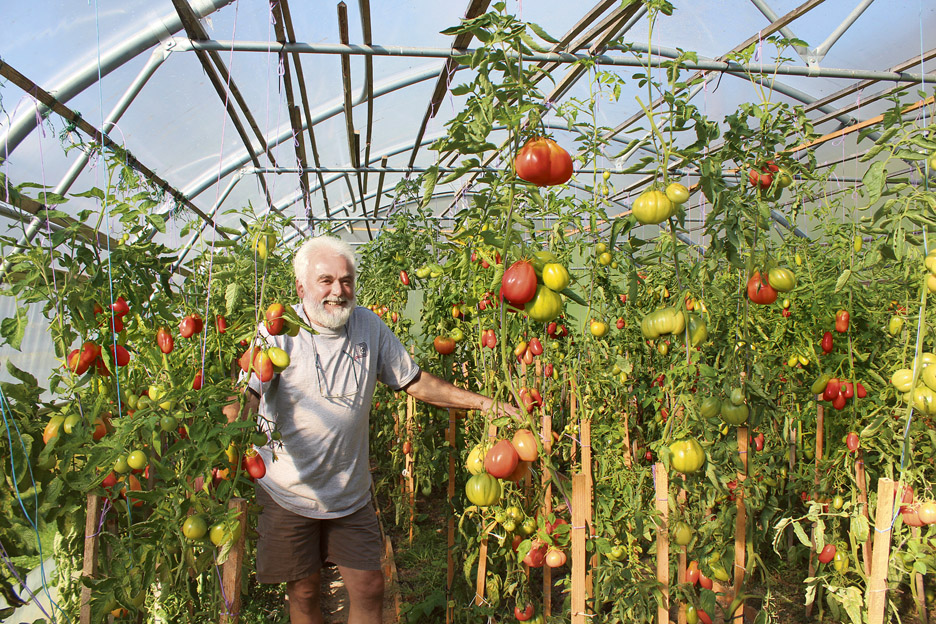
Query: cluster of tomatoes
762	288
80	360
921	395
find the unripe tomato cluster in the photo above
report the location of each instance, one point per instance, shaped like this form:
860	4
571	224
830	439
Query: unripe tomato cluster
919	391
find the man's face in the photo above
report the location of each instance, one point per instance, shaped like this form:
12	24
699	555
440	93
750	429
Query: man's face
328	294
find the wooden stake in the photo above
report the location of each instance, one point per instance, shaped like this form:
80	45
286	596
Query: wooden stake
579	504
91	552
626	447
741	524
482	556
450	560
918	579
585	432
820	431
547	506
661	487
232	568
877	585
681	567
862	480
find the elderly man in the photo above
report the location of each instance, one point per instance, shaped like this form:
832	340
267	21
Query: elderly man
316	496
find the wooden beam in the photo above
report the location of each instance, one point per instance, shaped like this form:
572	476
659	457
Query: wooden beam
71	116
864	124
304	96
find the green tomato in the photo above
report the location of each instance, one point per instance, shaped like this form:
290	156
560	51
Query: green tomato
710	407
677	193
686	456
682	533
483	490
555	277
121	466
194	527
653	207
545	305
137	460
734	414
781	279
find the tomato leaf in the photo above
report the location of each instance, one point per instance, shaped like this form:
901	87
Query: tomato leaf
232	297
842	280
542	34
801	535
873	180
13	329
574	297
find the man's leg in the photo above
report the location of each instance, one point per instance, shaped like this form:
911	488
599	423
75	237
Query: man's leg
303	597
366	594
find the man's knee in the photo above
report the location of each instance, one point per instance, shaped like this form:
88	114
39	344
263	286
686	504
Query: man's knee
304	594
364	586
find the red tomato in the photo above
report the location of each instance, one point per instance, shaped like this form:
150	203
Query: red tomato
841	321
839	402
827	342
116	324
692	572
852	441
119	307
525	614
759	289
759	441
197	382
120	355
404	278
190	325
247	358
519	283
847	389
501	460
525	443
705	581
263	366
444	345
860	391
535	346
253	464
831	390
537	555
761	179
274	321
542	162
827	553
221	324
703	616
620	323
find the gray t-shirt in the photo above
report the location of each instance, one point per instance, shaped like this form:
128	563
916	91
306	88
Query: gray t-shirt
321	405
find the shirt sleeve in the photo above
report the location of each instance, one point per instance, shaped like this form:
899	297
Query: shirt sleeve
395	366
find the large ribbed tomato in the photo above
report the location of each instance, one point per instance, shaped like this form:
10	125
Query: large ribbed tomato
519	283
542	162
759	289
501	460
653	207
686	455
545	306
483	490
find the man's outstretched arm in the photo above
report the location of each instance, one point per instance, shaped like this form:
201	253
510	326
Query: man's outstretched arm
431	389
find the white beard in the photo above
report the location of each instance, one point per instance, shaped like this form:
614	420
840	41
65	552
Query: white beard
329	316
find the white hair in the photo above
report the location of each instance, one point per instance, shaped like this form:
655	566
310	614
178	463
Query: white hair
314	247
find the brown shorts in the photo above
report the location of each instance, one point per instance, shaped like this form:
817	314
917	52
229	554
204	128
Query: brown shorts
292	547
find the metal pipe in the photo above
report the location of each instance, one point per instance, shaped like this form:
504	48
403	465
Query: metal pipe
214	209
325	111
129	49
819	53
772	17
555	57
156	59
